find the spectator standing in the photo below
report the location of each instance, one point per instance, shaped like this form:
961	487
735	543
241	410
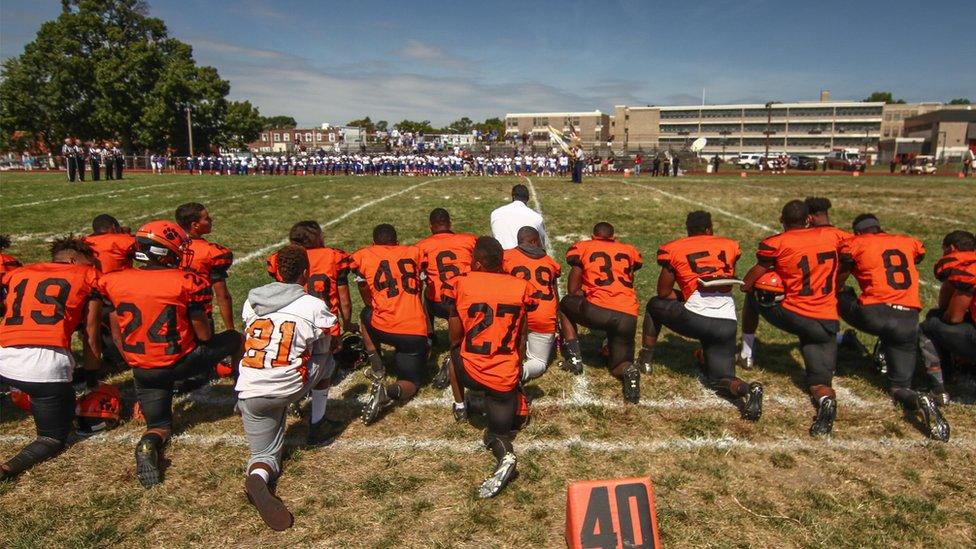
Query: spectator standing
508	219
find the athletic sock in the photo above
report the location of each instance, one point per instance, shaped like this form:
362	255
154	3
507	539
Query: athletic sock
320	397
261	472
748	344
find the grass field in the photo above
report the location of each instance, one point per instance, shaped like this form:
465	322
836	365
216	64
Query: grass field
410	479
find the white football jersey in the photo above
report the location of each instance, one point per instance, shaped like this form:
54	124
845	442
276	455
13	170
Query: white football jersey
279	348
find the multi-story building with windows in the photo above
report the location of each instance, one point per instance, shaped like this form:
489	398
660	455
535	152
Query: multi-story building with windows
292	139
533	128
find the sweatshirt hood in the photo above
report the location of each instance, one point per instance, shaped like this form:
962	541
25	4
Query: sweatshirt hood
535	252
274	297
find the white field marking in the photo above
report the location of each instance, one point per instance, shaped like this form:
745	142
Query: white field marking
80	196
664	445
538	208
48	236
260	253
703	205
845	395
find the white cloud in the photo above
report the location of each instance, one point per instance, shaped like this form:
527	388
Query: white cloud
429	53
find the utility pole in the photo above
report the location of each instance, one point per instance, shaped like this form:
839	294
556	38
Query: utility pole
769	118
189	128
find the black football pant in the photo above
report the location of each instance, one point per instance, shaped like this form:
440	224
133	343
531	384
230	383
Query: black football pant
436	309
154	386
940	340
52	406
896	328
501	409
818	339
410	351
717	336
621	328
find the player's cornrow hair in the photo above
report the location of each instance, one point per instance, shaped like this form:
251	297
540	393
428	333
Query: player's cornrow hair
187	213
440	216
817	204
71	243
305	233
4	241
489	253
292	262
963	241
795	213
698	221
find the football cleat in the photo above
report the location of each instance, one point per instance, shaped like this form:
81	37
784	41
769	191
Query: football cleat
147	462
935	423
645	361
850	341
823	424
504	472
880	360
272	510
323	432
940	397
443	378
460	412
752	410
377	401
745	362
630	384
572	358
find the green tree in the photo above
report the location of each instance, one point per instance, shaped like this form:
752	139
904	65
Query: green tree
414	126
278	122
365	123
492	124
461	125
382	125
242	124
883	97
105	69
959	101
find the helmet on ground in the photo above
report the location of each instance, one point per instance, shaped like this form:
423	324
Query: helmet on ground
353	352
100	408
769	289
20	399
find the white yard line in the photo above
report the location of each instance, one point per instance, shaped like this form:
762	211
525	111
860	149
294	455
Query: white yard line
84	229
262	252
80	196
467	446
538	208
712	207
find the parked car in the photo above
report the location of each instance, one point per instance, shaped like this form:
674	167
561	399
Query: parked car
802	162
924	164
848	160
747	161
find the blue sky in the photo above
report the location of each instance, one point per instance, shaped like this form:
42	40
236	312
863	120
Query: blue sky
335	61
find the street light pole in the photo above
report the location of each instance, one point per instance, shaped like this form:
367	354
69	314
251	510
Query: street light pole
769	118
189	128
942	153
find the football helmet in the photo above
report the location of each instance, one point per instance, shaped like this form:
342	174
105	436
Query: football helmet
164	241
99	408
769	289
353	352
20	399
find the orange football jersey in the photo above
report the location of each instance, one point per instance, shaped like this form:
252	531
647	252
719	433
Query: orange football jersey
328	268
951	262
113	251
963	278
153	307
45	303
492	308
393	276
885	267
806	260
211	261
838	235
542	274
699	257
444	256
608	272
8	263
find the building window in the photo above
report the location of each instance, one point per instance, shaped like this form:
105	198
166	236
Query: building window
308	137
264	137
318	136
277	137
287	137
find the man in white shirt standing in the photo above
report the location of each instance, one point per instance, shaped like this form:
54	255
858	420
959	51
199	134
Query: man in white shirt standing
508	219
286	352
